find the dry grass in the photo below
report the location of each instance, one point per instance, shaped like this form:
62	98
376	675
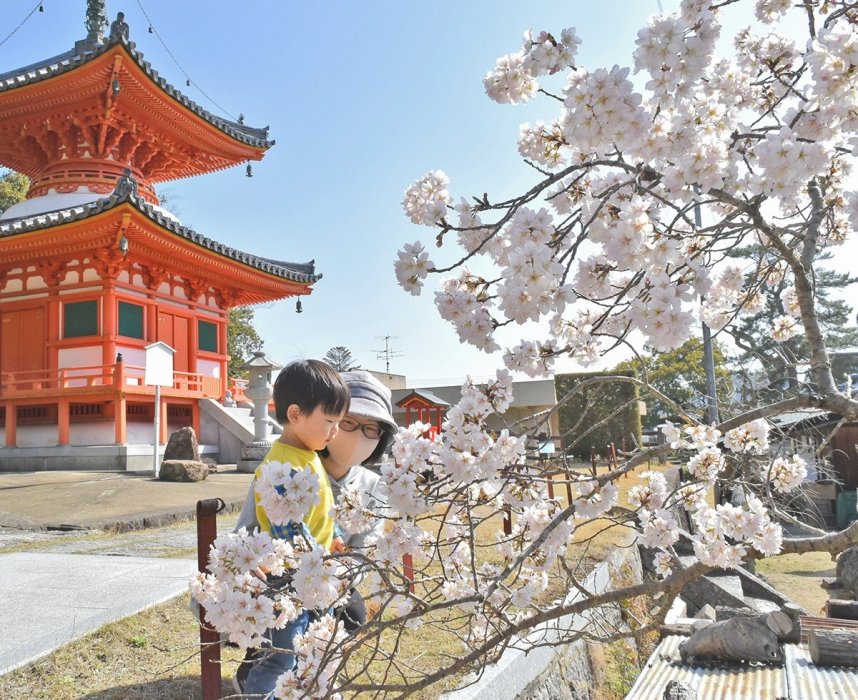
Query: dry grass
798	576
149	656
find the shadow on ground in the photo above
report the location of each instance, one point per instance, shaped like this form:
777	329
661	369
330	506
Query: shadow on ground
828	573
182	688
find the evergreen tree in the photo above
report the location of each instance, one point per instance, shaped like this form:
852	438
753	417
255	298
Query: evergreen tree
241	339
13	189
783	362
340	358
680	375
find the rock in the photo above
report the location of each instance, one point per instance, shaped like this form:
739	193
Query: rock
679	690
737	639
847	571
707	612
182	470
183	445
211	464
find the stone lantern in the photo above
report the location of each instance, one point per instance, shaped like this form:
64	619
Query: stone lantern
259	369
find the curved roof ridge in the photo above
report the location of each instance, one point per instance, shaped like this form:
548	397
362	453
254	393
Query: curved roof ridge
303	273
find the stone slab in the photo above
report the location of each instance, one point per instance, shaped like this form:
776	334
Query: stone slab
52	599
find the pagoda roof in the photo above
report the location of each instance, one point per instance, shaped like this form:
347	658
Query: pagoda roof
85	52
301	273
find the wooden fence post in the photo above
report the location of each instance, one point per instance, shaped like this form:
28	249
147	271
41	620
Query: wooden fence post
408	570
207	511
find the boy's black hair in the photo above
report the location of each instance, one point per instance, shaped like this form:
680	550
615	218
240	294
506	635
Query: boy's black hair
309	384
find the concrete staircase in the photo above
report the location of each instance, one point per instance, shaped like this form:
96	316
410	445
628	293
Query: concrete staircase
735	588
229	427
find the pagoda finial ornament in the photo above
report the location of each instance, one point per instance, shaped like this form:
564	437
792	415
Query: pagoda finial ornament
96	20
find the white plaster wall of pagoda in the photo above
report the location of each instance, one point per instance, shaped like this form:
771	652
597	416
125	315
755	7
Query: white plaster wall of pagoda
140	433
50	202
85	356
92	433
135	357
57	201
36	435
36	282
208	368
16	285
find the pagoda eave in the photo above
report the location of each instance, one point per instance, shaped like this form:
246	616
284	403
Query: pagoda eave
124	112
96	238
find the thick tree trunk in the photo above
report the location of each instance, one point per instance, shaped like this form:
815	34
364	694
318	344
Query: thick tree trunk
833	647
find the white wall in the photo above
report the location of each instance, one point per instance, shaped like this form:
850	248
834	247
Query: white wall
36	435
92	433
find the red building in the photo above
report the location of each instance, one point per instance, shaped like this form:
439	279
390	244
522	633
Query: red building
92	269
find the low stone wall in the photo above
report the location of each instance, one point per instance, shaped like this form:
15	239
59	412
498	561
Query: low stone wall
563	672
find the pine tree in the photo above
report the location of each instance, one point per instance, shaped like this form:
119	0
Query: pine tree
340	358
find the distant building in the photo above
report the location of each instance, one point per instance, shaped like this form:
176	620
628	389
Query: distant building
531	402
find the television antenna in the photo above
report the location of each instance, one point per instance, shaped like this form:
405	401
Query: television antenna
387	352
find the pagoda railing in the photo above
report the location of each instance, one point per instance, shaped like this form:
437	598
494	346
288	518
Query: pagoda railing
103	378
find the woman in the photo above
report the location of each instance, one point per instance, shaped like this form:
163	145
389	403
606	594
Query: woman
366	432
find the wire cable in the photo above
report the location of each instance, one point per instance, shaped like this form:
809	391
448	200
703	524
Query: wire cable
188	78
23	21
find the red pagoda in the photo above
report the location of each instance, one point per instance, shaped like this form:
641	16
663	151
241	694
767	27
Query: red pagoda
93	270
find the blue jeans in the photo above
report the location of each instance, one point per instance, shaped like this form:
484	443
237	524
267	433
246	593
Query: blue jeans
265	672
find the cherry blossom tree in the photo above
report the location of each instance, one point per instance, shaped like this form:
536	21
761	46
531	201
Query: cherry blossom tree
644	182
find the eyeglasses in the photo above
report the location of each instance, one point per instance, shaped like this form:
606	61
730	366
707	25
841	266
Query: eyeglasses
370	430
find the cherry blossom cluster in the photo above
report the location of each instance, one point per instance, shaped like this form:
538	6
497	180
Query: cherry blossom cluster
676	50
542	145
751	438
349	512
412	266
236	600
726	530
286	493
317	654
785	327
426	200
513	79
784	474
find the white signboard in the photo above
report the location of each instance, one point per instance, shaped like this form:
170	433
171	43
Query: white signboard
159	365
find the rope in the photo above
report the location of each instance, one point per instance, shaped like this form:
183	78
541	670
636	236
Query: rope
188	78
23	21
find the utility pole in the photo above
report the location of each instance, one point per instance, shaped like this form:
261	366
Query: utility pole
708	355
387	353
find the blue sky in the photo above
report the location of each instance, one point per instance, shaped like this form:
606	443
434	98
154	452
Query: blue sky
362	99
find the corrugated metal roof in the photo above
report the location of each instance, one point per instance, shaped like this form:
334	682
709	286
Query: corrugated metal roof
808	681
798	679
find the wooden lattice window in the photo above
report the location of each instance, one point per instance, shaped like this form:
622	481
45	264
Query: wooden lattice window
131	320
80	318
207	336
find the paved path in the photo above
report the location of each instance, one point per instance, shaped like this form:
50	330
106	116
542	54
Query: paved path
108	500
56	586
51	599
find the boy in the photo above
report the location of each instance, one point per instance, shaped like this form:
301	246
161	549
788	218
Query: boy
310	399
